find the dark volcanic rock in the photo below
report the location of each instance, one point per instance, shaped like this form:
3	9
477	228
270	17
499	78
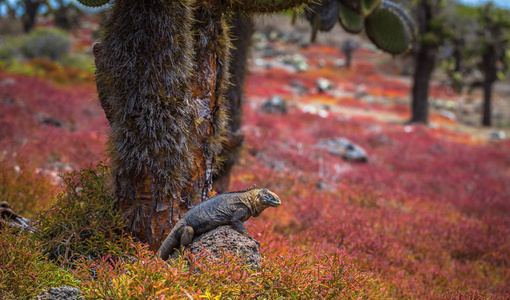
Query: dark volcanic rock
346	149
275	105
61	293
222	239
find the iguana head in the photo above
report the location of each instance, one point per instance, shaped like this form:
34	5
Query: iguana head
266	197
262	199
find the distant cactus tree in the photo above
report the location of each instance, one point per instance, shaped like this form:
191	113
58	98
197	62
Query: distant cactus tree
161	76
494	48
433	29
482	44
324	15
348	47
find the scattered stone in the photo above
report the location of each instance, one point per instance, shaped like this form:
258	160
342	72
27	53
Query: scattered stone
497	135
302	66
361	91
52	121
298	61
323	84
222	239
61	293
259	40
311	109
12	219
301	89
321	186
275	105
259	62
339	63
270	51
448	115
273	35
346	149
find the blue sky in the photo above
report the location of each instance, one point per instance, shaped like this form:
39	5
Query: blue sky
502	3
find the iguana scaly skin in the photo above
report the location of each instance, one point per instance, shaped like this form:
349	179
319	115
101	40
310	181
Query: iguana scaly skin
226	209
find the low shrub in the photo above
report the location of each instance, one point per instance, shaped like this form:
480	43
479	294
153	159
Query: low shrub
51	43
24	271
83	221
293	276
45	52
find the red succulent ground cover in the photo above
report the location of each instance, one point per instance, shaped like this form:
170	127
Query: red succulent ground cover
427	217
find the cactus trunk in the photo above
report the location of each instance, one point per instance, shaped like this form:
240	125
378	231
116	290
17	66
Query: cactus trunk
208	88
489	61
425	61
242	30
166	125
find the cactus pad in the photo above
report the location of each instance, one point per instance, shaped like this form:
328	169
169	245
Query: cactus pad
327	11
369	6
362	7
388	29
94	3
351	21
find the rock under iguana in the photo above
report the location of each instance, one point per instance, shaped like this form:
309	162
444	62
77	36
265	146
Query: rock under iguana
226	209
216	242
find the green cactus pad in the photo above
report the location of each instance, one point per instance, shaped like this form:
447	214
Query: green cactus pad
362	7
369	6
94	3
351	21
388	30
405	17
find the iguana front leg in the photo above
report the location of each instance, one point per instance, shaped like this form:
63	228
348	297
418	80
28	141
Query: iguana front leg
187	236
238	226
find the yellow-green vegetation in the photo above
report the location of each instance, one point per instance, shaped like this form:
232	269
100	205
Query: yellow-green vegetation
291	276
24	270
83	222
45	52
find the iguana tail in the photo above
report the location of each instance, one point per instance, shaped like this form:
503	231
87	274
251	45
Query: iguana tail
171	242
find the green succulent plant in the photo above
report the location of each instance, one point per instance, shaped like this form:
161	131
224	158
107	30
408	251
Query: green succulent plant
388	28
387	25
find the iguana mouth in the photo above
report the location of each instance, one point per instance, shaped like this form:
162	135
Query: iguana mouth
271	201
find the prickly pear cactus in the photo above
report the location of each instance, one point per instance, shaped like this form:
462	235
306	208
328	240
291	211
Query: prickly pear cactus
388	29
350	20
387	25
326	13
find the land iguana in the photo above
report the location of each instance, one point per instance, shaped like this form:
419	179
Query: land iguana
231	208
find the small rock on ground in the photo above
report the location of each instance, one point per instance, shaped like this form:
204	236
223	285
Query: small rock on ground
61	293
